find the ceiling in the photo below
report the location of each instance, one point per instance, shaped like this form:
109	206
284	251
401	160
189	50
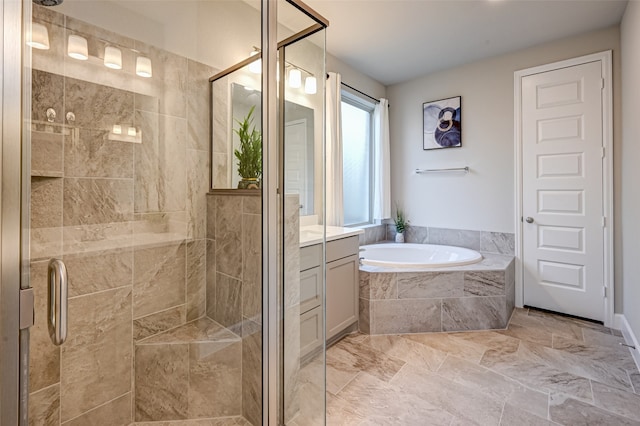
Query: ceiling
397	40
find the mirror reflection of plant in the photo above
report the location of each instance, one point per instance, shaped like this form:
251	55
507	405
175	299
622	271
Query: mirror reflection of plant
250	153
400	220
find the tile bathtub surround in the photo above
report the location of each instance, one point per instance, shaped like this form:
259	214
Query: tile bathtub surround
472	297
487	242
483	377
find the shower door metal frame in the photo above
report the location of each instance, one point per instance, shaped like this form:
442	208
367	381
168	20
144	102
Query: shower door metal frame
10	213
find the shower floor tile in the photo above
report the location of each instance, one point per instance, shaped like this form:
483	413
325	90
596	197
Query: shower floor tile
544	369
224	421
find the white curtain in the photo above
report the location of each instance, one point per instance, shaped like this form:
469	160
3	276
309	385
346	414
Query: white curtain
335	207
381	162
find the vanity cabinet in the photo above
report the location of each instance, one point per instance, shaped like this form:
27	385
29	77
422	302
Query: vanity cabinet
342	291
342	285
311	313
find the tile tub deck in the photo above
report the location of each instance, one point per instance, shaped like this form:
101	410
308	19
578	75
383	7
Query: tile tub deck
461	298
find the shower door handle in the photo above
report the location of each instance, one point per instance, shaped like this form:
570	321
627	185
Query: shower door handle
57	306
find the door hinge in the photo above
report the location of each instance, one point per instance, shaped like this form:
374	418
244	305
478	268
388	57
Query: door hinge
604	292
27	309
602	83
604	221
603	153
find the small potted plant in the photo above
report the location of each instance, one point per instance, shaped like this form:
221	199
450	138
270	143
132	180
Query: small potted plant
401	223
249	155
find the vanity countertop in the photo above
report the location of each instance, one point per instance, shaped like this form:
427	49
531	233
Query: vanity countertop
312	234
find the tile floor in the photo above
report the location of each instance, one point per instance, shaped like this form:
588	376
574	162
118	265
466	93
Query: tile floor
543	369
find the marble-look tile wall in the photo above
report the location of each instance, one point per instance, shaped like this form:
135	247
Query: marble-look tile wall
234	283
473	297
488	242
129	220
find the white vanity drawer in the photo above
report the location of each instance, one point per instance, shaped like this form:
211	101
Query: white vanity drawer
310	289
310	257
337	249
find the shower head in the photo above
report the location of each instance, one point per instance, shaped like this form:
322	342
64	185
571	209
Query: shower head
48	2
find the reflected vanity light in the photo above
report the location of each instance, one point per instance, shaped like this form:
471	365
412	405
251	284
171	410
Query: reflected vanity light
38	38
310	85
132	135
295	78
113	58
255	67
77	47
143	67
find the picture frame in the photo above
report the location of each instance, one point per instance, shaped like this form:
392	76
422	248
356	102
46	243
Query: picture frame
442	123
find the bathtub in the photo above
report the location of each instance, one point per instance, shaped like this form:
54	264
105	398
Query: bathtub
417	256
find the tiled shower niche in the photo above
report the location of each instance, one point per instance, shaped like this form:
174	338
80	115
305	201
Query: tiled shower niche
151	336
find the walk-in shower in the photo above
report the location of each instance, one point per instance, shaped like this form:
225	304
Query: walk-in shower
179	291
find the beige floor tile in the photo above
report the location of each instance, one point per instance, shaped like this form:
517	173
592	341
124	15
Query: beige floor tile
445	342
626	404
407	350
512	416
459	400
387	404
568	411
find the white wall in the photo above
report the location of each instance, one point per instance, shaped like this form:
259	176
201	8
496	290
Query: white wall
630	152
484	199
355	78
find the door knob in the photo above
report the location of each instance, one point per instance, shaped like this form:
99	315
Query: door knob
529	219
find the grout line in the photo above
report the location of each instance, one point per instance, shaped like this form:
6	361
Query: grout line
96	407
346	384
504	405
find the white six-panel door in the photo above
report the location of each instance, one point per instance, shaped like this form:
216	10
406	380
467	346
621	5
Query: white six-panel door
562	191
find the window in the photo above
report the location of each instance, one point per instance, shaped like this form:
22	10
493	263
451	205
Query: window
357	152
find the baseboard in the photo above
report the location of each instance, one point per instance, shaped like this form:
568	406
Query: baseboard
630	338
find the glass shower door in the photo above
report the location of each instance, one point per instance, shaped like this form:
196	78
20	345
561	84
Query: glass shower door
118	190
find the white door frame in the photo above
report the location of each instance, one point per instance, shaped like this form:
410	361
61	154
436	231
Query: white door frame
607	171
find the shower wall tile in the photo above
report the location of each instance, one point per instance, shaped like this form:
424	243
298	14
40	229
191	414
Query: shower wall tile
97	106
99	270
94	201
291	247
197	188
168	85
484	283
430	284
211	217
220	169
196	279
291	362
252	268
46	202
220	107
159	278
161	382
97	32
159	223
48	92
96	359
228	304
45	243
474	313
160	321
252	372
215	389
253	204
211	279
44	357
89	153
46	154
44	407
498	242
160	163
455	237
228	235
113	413
199	105
406	316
